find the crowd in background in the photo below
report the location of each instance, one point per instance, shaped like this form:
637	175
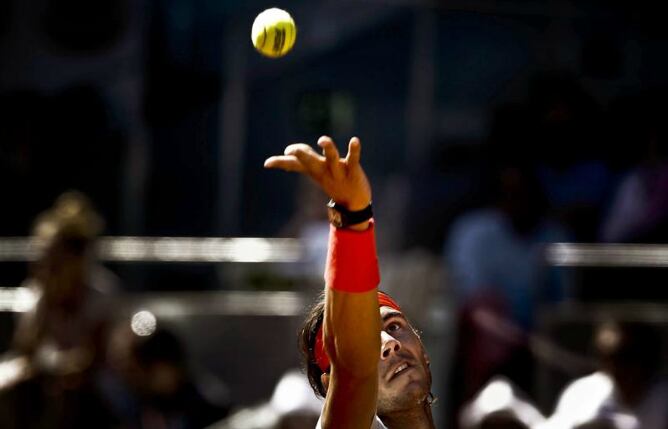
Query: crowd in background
76	364
73	361
551	184
566	151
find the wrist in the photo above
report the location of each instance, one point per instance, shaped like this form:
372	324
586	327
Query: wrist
352	264
355	206
360	226
342	217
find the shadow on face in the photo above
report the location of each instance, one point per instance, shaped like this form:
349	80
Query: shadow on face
404	377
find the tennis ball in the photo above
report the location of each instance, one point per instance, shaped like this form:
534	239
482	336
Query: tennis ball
274	33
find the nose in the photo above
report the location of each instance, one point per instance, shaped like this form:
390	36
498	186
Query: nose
389	345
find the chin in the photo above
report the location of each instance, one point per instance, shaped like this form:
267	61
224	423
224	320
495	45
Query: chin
402	396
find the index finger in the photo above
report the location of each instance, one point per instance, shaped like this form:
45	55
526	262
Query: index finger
284	162
312	161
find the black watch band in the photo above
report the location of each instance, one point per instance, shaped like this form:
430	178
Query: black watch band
341	217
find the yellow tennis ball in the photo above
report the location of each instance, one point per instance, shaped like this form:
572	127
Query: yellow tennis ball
274	33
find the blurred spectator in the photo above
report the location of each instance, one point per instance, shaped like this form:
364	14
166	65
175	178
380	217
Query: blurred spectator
495	252
639	211
502	420
499	406
60	342
292	406
570	164
494	257
628	392
309	223
73	306
148	384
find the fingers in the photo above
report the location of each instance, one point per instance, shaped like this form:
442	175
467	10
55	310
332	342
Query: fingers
332	156
354	152
287	163
302	147
301	158
312	162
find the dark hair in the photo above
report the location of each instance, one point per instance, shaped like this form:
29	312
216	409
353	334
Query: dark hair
307	337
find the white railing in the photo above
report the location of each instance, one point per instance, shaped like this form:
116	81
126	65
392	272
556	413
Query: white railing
171	249
607	255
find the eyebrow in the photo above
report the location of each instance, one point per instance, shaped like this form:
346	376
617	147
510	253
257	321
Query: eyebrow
392	314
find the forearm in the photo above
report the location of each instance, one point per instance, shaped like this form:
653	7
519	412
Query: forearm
352	320
351	332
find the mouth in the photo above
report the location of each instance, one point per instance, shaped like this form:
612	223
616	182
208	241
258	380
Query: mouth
399	369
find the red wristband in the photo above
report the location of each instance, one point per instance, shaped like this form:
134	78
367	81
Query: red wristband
352	264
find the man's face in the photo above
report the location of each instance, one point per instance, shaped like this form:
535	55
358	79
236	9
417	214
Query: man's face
404	378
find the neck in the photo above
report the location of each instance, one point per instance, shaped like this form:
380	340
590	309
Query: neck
417	418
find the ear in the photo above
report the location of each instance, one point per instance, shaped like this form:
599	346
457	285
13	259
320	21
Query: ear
426	358
324	379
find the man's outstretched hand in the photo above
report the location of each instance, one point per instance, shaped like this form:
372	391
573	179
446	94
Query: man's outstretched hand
341	178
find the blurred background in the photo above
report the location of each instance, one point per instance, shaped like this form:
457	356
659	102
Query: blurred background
154	275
